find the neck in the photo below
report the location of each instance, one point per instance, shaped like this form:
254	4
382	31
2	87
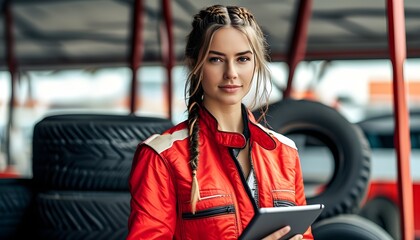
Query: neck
229	118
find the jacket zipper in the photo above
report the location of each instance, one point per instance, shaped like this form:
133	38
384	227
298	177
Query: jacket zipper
229	209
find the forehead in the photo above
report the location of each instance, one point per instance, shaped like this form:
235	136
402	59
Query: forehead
229	40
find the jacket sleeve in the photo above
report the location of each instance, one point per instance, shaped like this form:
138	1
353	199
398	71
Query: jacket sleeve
300	193
153	201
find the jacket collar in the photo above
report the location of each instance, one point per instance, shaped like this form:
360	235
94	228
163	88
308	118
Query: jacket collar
234	139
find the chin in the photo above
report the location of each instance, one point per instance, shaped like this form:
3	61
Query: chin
231	102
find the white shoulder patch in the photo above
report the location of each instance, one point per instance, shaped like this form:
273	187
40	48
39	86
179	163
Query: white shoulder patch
162	142
289	142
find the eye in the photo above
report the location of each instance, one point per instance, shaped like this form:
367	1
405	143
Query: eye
244	59
215	59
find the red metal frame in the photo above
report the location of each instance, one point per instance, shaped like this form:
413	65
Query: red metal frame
397	48
298	42
11	64
168	53
137	50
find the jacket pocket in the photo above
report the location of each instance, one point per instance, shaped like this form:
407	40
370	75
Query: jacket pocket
210	198
284	198
215	216
211	212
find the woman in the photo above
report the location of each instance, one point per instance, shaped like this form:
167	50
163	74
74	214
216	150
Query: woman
203	178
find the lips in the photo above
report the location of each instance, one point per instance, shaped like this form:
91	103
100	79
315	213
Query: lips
230	88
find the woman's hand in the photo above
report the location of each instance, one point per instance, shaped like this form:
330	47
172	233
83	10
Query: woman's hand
280	233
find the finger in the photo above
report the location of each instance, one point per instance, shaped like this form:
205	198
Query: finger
278	234
283	231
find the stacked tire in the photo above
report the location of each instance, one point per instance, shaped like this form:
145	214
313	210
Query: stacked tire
349	227
81	165
16	200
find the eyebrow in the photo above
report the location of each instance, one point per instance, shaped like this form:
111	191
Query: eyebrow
237	54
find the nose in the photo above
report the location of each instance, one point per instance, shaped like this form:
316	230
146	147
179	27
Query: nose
230	71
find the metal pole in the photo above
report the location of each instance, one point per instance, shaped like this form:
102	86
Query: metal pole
136	50
168	52
397	48
298	42
11	63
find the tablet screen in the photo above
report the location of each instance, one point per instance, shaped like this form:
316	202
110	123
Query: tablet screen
269	220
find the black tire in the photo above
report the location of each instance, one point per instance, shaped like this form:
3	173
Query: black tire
351	152
16	199
82	215
385	214
348	227
91	152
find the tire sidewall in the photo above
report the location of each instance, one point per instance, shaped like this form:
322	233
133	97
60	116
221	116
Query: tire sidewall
348	185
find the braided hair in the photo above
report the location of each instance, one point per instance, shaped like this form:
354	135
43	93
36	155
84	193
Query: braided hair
204	26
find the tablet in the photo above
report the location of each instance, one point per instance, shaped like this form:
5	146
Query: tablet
269	220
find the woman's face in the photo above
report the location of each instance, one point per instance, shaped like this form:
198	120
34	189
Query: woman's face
228	70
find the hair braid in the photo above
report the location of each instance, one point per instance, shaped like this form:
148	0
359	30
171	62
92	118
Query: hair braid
193	126
194	101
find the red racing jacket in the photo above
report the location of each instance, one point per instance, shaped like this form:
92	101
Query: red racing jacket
160	182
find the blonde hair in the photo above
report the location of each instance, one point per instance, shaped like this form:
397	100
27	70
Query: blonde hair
204	26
